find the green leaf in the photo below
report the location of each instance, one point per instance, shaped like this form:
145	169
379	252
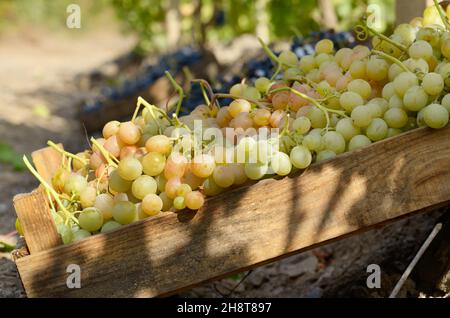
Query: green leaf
236	277
9	156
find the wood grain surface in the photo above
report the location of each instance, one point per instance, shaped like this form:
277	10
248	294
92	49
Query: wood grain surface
253	225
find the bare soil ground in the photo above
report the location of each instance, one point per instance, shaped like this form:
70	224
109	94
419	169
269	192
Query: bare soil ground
39	70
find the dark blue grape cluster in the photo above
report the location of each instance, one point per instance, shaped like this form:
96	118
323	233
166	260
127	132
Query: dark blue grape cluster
174	62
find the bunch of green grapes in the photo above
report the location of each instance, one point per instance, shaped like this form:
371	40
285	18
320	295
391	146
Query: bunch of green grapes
324	104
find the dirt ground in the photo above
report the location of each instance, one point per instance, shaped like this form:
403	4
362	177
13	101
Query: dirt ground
39	71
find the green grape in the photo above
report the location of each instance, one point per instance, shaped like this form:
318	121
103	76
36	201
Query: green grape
143	186
377	69
446	102
223	176
382	104
324	46
388	91
358	141
317	118
361	116
288	58
432	83
280	164
325	155
124	212
161	182
404	81
179	203
301	125
251	92
238	89
262	84
394	71
152	204
445	48
80	234
65	232
255	171
361	87
377	129
313	141
429	35
322	58
194	200
346	128
395	117
88	196
350	100
110	226
75	184
435	116
396	102
420	49
300	157
117	184
393	132
291	72
130	168
90	219
153	163
210	188
104	203
407	32
415	98
19	227
308	63
375	110
334	141
167	202
417	65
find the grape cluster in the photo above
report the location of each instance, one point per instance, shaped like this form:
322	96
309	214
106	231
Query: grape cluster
321	105
150	73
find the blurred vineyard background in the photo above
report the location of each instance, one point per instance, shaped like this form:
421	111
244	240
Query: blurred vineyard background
162	25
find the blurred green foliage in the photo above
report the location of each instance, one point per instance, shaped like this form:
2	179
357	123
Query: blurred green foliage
9	156
200	20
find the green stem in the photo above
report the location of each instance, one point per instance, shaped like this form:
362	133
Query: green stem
105	153
391	59
253	101
142	101
66	153
385	38
442	14
179	90
46	186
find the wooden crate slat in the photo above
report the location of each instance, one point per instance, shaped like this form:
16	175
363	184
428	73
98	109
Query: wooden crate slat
32	209
253	225
47	161
37	222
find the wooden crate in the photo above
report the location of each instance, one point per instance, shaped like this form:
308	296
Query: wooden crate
242	228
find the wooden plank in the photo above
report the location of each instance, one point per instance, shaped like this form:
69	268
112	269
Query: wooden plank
253	225
32	208
47	161
37	222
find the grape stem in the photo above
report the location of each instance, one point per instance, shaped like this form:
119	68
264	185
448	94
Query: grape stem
274	58
442	14
179	90
362	30
105	153
142	101
48	188
391	59
66	153
324	109
204	85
